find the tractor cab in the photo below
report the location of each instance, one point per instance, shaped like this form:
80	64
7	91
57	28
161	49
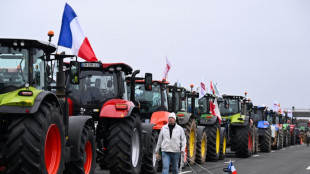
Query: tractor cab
303	125
178	99
258	114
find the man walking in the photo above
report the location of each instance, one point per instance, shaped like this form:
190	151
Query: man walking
172	142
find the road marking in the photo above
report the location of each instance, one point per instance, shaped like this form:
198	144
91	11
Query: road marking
228	162
255	155
308	168
186	172
283	149
273	151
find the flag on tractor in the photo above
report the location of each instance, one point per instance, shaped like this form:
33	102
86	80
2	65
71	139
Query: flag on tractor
203	89
289	113
232	168
212	88
167	69
72	36
275	106
216	90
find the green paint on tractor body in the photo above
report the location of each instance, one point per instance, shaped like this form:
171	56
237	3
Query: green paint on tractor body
285	126
13	99
235	118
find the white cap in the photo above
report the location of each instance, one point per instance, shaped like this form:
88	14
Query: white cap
172	115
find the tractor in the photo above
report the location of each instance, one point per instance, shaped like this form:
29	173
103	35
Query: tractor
207	109
276	131
178	103
240	130
286	130
36	133
260	114
303	125
102	93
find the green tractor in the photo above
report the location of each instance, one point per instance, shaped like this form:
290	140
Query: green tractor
286	130
36	133
240	130
178	103
303	125
210	120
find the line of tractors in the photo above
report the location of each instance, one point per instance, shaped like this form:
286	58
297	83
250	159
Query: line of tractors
67	117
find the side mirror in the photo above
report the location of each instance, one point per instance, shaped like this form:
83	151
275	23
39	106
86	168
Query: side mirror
148	81
74	72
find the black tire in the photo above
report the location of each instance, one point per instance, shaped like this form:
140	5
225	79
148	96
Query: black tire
280	139
256	141
265	141
285	138
293	137
213	148
122	134
243	138
201	146
87	144
223	144
190	129
26	137
149	162
288	138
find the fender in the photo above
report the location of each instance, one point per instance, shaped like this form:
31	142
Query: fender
204	121
43	95
246	121
109	110
159	119
147	129
76	124
263	124
183	117
199	130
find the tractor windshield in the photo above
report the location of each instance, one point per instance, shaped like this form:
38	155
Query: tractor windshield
229	106
302	124
259	116
95	87
13	68
202	105
151	101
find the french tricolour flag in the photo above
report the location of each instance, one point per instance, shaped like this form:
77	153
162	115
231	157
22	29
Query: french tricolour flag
231	167
72	36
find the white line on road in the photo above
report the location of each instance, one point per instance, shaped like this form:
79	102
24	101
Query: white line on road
273	151
186	172
255	155
228	162
308	168
283	149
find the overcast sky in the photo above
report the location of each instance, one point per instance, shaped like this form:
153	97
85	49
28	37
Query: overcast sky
257	46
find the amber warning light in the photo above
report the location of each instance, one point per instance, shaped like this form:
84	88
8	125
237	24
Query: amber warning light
121	106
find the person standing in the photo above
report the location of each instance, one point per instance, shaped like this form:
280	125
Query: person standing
172	142
308	137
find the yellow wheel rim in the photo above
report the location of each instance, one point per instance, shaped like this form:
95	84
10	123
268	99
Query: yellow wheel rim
224	145
191	143
217	140
203	147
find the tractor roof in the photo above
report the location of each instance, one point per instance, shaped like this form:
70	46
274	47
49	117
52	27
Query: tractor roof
28	44
141	80
126	68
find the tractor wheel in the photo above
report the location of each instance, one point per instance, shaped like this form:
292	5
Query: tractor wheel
191	135
149	162
201	150
35	143
280	139
285	142
244	141
293	137
288	138
256	141
125	145
223	144
87	160
214	139
265	143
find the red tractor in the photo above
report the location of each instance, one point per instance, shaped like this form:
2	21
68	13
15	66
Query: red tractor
120	135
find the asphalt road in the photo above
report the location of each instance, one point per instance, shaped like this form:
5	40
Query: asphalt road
289	160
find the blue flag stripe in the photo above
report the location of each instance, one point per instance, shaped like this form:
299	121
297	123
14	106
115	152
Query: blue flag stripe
65	37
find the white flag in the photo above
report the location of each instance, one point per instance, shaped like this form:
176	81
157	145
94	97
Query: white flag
168	66
217	110
203	89
275	106
289	113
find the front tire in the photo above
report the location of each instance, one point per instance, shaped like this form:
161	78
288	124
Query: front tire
201	150
214	139
244	141
223	144
191	135
149	162
265	141
36	142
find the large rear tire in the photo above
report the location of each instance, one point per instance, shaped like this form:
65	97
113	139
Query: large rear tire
36	143
280	139
191	135
125	145
201	150
214	139
244	141
293	137
87	160
256	140
265	141
285	138
223	144
149	162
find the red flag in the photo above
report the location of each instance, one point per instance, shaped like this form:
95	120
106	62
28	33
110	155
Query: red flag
167	69
211	88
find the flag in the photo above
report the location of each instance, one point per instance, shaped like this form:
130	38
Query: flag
232	168
211	88
217	110
275	106
168	66
216	90
72	36
203	90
